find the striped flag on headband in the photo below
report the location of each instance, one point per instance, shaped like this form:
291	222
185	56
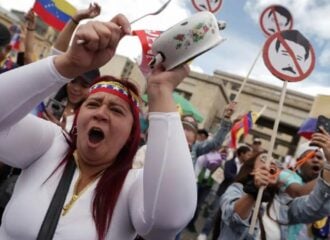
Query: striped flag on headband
117	89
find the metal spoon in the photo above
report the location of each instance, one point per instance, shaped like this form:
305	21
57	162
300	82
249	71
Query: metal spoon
80	41
153	13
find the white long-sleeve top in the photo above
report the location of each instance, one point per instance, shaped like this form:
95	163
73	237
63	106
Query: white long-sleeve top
156	202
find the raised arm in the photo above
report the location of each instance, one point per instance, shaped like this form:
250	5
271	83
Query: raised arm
63	39
29	40
23	88
167	199
295	189
216	142
100	43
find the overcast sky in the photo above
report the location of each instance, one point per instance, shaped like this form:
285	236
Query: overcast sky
243	33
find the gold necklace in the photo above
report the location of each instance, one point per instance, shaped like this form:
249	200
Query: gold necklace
76	195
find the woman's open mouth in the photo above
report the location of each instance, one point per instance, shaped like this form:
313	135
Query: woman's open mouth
95	135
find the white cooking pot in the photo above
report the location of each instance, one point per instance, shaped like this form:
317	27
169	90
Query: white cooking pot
186	40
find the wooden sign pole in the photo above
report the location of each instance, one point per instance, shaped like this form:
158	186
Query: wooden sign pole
247	76
269	156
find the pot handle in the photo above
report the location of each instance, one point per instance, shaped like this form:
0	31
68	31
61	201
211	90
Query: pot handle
157	59
222	25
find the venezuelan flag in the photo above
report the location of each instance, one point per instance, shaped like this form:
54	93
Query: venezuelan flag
55	13
243	126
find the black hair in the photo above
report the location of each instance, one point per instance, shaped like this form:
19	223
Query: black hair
5	35
295	36
61	94
203	131
242	149
283	11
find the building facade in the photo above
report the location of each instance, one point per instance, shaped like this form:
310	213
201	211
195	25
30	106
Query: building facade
211	94
256	96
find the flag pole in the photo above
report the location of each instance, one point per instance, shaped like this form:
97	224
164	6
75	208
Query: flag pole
269	155
262	110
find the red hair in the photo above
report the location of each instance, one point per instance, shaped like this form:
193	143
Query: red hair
110	184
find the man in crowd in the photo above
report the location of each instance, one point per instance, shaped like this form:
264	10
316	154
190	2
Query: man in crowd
301	181
257	145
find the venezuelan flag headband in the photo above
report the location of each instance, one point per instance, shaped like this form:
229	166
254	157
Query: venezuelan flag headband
117	89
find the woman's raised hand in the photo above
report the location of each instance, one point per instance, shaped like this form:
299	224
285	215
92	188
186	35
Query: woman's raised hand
322	140
91	12
30	19
160	87
262	176
100	43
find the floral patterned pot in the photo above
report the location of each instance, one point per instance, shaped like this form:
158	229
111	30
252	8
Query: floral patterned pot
186	40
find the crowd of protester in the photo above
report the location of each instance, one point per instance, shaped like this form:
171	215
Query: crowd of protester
295	203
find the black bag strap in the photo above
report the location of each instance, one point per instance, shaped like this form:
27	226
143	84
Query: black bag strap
50	221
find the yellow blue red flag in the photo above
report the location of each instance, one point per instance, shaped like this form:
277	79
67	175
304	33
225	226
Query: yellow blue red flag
243	126
55	13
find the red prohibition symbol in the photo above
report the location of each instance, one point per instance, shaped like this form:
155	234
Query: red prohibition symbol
207	5
289	56
275	18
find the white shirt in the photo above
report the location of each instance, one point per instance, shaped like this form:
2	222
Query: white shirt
238	164
156	202
272	228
